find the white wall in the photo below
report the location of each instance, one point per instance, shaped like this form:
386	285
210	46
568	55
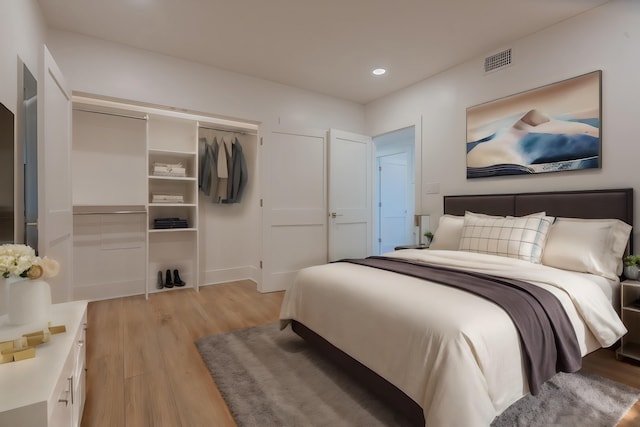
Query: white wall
606	38
104	68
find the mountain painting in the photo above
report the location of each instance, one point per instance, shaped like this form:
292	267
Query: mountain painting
549	129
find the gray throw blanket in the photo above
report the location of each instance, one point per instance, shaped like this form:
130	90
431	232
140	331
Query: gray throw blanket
549	343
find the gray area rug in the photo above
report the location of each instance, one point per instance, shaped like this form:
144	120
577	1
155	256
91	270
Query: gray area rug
273	378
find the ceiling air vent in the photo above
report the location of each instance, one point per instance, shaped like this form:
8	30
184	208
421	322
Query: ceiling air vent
497	61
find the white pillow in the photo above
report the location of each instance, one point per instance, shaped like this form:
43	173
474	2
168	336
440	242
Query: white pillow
514	237
593	246
448	233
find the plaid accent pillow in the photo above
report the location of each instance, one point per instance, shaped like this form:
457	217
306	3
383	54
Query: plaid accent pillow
513	237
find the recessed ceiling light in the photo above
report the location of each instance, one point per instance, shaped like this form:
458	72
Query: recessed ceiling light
379	71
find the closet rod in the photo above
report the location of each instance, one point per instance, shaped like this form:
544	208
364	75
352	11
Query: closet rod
228	131
111	212
86	110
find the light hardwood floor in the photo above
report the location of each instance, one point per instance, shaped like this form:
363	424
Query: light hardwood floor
145	370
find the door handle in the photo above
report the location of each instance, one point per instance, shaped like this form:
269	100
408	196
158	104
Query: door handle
66	398
70	379
334	215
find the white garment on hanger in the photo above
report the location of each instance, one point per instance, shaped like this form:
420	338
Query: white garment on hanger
223	170
224	155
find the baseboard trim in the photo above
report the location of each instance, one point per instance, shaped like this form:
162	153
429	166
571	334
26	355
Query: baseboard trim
100	291
215	277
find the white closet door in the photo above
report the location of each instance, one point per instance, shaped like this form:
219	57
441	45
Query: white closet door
54	180
350	195
294	205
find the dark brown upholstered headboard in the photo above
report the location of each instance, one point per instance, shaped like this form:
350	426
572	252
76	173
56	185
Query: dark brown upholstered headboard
616	203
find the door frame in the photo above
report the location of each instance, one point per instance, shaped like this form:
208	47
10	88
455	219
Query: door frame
391	148
408	232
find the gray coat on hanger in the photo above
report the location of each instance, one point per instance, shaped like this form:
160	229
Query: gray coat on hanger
238	174
208	181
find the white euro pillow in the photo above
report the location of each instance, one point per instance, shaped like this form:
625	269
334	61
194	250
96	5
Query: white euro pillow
448	233
593	246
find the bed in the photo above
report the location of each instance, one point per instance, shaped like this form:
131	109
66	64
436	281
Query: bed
442	356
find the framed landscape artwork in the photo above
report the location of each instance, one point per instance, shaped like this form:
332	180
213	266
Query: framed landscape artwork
549	129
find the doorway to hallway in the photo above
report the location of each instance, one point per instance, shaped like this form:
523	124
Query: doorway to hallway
395	190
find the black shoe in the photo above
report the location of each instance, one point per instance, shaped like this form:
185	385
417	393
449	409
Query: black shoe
167	282
177	280
160	286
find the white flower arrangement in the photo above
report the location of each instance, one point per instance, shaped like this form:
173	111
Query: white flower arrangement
22	261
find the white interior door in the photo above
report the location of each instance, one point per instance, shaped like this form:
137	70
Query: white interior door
294	205
350	195
394	218
54	181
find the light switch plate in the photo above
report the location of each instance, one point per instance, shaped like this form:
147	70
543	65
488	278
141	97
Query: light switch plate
431	188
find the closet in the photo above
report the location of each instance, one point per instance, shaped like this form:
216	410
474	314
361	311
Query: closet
173	202
139	215
231	236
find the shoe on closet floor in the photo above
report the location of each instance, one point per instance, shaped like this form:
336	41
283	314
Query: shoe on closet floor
160	285
167	282
177	280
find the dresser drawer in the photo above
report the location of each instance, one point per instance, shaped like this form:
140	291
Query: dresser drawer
67	401
79	347
48	390
60	403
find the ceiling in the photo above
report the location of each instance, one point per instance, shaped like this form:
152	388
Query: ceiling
327	46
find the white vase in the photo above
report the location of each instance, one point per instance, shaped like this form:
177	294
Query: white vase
26	300
631	272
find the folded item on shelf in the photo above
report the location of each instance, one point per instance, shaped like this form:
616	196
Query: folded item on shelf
169	165
168	223
169	171
167	198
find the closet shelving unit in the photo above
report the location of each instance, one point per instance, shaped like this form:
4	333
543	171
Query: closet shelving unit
109	192
185	186
122	174
172	140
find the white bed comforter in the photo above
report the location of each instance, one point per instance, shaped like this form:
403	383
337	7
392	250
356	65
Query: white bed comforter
456	354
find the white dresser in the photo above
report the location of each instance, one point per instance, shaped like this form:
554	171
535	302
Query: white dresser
48	390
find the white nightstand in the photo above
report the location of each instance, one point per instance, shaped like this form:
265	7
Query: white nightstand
630	314
48	390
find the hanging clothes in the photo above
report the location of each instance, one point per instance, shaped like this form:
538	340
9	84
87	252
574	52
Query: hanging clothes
222	170
202	152
238	175
223	167
207	174
202	162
